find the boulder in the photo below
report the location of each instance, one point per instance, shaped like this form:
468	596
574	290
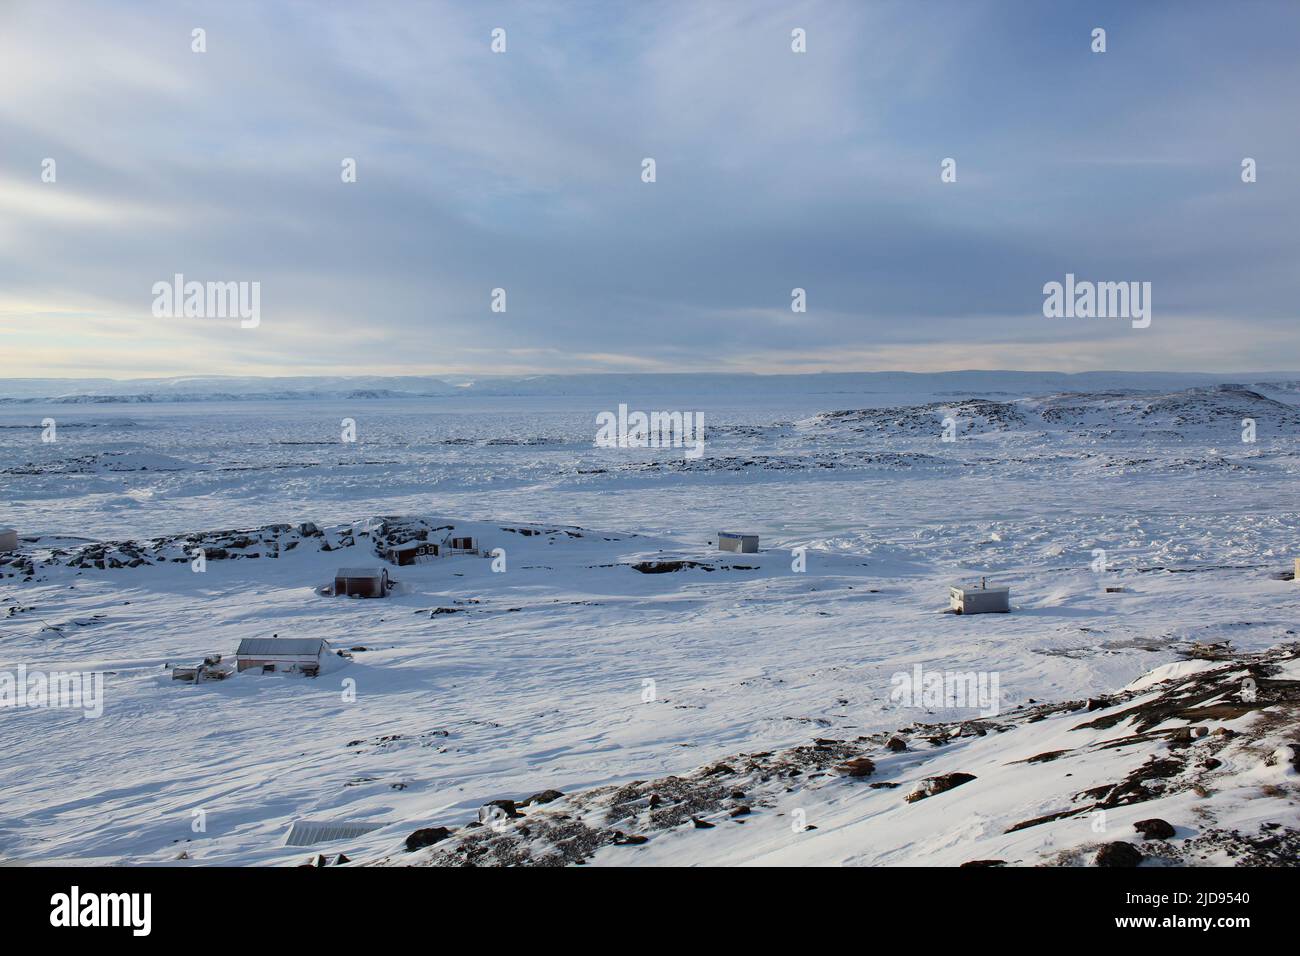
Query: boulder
857	767
1154	829
544	796
1118	853
497	809
427	836
932	786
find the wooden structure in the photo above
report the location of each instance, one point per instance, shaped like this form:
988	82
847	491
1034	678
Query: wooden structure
293	655
361	582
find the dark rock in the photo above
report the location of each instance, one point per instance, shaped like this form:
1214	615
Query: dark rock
932	786
508	808
1045	757
702	824
1154	829
623	839
857	767
984	863
427	836
545	796
1118	853
896	744
667	567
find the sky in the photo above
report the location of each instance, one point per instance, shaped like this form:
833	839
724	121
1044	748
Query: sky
522	170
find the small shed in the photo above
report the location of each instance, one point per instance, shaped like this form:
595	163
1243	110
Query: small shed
979	599
410	552
294	655
739	543
361	582
460	545
8	540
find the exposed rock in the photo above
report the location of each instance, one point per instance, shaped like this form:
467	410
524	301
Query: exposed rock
544	796
427	836
1154	829
498	809
665	567
857	767
1118	853
932	786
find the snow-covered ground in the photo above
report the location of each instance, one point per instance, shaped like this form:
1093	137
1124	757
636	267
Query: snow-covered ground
574	669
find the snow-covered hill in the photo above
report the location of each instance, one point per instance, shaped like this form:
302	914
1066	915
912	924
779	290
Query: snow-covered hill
1196	763
1213	411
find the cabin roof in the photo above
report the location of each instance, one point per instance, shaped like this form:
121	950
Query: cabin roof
281	647
374	573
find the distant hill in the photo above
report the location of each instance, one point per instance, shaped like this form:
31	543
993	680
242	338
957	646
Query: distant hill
991	384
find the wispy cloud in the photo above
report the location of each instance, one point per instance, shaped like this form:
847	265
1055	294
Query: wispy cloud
522	171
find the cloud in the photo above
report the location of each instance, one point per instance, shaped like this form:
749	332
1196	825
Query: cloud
522	171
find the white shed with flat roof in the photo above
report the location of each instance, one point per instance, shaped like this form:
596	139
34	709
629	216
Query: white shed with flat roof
979	599
738	543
